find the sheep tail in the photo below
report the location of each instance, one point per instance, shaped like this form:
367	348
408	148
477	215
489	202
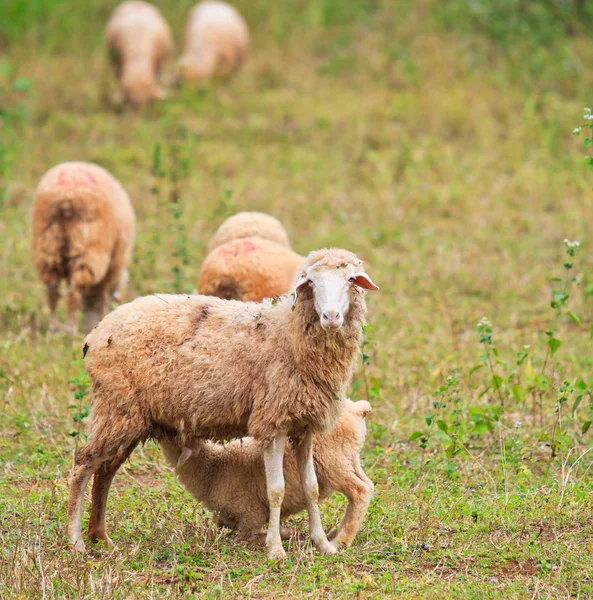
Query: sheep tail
362	408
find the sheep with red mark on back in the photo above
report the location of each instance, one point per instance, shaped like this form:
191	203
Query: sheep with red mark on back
248	224
83	233
248	269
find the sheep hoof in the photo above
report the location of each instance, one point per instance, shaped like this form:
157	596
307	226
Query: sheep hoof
102	538
79	545
288	533
276	552
327	548
253	539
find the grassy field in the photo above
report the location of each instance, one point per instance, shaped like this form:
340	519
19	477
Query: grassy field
433	139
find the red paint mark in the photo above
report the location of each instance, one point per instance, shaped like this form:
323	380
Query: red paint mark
62	177
92	179
238	248
76	175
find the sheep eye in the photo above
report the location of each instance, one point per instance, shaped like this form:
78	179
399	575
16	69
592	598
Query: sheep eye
352	279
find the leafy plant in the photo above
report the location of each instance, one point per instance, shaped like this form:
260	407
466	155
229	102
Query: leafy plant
448	394
373	387
79	410
490	350
170	170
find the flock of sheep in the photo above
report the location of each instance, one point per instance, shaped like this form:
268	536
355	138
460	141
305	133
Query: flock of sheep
216	42
266	349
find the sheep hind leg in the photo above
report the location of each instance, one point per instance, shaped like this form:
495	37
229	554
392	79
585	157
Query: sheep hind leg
95	307
81	278
101	484
359	471
304	455
273	462
359	494
104	446
53	295
83	471
74	304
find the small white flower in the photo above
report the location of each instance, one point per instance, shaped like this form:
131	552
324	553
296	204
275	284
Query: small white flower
518	424
587	110
484	322
576	130
588	117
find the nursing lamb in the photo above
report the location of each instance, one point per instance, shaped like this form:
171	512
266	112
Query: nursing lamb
205	368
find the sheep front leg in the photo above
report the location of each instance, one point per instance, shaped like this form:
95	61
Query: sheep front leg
273	462
304	457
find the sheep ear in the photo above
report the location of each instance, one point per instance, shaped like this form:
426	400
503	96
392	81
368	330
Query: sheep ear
364	281
185	454
299	286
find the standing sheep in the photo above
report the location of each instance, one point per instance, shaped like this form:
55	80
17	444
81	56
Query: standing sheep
83	232
248	269
139	40
204	368
231	481
249	224
216	42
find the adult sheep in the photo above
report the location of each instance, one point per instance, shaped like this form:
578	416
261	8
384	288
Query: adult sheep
83	232
216	42
249	224
203	368
139	40
230	479
248	269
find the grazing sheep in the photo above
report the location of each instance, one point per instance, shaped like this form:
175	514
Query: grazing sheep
199	367
248	269
83	232
216	41
139	40
231	480
249	224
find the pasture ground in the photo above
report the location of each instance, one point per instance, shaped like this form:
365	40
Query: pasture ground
434	140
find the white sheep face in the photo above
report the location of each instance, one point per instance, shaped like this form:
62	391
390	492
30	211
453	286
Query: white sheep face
332	289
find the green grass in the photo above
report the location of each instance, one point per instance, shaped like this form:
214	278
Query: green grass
434	140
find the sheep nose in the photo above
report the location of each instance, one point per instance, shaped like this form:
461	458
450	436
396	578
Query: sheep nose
331	319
